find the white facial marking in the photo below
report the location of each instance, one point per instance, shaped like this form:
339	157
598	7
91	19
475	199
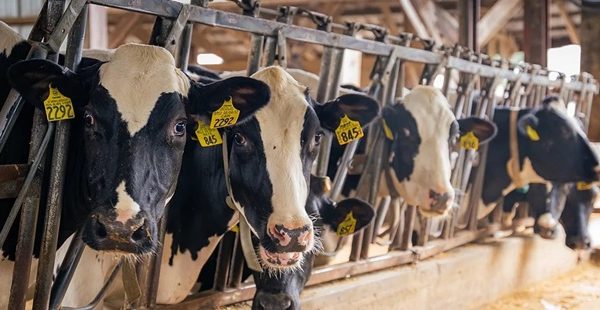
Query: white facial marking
8	38
281	122
432	170
547	221
126	207
136	76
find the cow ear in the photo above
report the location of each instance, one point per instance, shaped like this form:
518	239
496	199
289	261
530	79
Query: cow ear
527	126
247	95
358	107
483	129
348	216
33	78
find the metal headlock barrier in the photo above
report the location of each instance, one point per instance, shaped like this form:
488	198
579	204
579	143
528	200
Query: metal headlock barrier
478	80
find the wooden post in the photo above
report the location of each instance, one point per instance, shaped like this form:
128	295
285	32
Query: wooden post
535	31
468	17
590	61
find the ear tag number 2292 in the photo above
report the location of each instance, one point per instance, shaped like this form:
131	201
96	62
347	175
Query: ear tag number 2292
58	106
348	131
226	115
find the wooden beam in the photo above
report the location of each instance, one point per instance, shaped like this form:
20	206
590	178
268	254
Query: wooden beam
535	31
447	23
426	11
569	24
496	18
389	20
122	29
413	18
590	61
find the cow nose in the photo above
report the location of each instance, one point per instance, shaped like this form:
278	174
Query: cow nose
102	232
578	242
291	239
440	202
268	301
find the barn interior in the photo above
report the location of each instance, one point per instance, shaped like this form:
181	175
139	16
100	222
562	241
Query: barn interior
480	54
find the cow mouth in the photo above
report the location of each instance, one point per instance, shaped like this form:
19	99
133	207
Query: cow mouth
434	212
279	260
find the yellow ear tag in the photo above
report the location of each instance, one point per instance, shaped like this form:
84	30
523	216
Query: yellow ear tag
348	131
348	226
387	131
58	106
226	115
235	228
207	136
532	134
469	141
583	186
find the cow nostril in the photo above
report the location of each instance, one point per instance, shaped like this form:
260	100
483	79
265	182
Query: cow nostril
139	233
101	232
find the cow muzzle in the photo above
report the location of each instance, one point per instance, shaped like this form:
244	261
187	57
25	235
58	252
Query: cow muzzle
104	233
438	203
578	242
277	301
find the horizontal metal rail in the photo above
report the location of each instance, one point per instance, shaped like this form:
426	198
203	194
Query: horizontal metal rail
266	27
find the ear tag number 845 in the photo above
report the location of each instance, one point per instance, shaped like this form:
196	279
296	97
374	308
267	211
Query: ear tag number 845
469	141
58	106
348	130
348	226
207	136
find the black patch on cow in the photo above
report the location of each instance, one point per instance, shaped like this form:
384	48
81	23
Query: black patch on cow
407	140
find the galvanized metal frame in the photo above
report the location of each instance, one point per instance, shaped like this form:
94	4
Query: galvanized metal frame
173	18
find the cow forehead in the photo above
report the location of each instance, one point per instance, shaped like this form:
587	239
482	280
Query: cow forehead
136	76
431	111
8	38
285	111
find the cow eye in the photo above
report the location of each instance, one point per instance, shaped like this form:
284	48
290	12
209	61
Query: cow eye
179	128
239	139
318	137
89	119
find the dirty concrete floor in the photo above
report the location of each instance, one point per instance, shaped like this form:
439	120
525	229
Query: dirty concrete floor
578	289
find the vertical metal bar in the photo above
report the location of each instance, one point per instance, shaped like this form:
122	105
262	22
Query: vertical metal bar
66	271
256	45
183	54
57	177
410	218
237	268
226	248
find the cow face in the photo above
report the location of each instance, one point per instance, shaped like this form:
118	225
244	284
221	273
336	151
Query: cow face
272	157
555	140
576	216
128	136
282	291
424	131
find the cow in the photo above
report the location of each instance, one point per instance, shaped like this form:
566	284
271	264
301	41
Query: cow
282	291
573	212
127	139
547	146
270	157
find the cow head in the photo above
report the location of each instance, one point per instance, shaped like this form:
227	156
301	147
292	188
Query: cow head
282	291
555	140
576	216
271	159
424	131
128	135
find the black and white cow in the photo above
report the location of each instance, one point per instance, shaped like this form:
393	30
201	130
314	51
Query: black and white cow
270	160
282	290
127	139
551	148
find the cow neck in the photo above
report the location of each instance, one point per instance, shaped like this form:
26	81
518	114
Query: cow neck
246	230
513	141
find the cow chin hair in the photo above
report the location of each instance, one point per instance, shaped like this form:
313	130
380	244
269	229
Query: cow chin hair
276	272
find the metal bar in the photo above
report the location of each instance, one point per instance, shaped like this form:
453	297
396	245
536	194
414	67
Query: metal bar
100	296
226	248
33	171
269	28
66	271
57	177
